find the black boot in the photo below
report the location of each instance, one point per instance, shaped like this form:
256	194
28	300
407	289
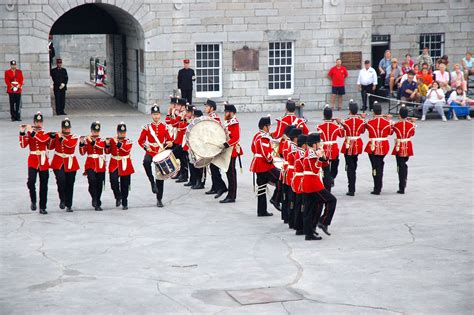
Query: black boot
118	202
312	237
188	184
43	211
33	206
61	205
154	189
159	204
68	209
211	192
97	208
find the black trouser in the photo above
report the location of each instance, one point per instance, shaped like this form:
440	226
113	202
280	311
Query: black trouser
291	206
364	89
217	182
60	100
334	165
351	168
377	171
298	221
96	182
232	179
284	202
43	188
65	182
121	188
182	156
312	212
188	95
327	178
195	174
402	169
15	100
262	181
147	161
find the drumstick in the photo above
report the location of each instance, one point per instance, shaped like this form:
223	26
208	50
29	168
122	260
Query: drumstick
216	145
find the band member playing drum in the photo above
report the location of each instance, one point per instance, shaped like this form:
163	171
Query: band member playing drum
262	165
120	166
233	128
379	128
289	119
290	171
154	138
94	146
296	184
404	130
64	163
196	180
354	126
180	140
37	141
218	185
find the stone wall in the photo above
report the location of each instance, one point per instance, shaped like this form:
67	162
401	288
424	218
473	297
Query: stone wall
76	50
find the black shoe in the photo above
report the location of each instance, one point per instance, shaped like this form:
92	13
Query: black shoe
375	192
154	188
349	193
61	205
220	193
125	208
98	208
324	228
312	237
181	180
33	206
400	192
175	176
267	214
299	232
275	204
68	209
118	202
18	119
188	184
13	119
285	221
43	211
211	192
198	186
94	204
159	204
63	113
227	200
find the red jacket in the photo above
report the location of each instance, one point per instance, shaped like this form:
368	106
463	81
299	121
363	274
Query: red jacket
354	126
38	144
290	159
181	126
120	157
150	134
233	129
262	153
403	130
14	76
289	119
64	153
95	151
214	116
379	129
338	76
296	183
283	150
329	132
311	178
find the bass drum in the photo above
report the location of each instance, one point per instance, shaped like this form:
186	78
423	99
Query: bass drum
205	137
197	161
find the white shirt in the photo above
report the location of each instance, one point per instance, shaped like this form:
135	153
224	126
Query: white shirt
367	76
433	98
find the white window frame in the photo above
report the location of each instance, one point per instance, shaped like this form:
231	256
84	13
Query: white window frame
428	43
209	94
283	91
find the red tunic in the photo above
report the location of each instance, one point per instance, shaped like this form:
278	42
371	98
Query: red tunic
11	77
379	129
181	132
214	116
296	183
354	126
38	144
282	150
311	175
290	159
95	151
233	131
262	153
120	157
64	149
329	132
403	130
154	136
289	119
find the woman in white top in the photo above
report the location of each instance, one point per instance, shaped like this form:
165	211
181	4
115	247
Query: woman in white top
434	98
457	78
442	76
458	103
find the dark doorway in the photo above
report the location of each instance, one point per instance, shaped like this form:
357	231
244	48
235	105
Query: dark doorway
380	43
120	67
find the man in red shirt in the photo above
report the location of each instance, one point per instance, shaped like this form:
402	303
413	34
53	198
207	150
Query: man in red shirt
337	75
14	82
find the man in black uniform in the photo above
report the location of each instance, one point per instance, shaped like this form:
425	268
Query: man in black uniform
59	76
186	77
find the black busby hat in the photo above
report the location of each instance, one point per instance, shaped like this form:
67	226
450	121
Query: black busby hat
38	117
264	121
288	129
290	106
197	113
190	108
403	111
13	62
95	126
230	108
327	112
353	107
173	100
65	123
155	109
377	108
313	138
121	127
211	103
294	133
182	101
301	140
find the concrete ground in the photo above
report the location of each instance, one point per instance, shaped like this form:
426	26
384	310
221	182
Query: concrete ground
410	254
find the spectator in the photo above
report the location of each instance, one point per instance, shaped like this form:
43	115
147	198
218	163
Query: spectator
425	58
434	98
426	66
416	69
385	63
406	67
426	77
410	61
444	60
367	83
405	77
457	78
467	65
442	76
393	75
422	90
409	89
338	75
458	104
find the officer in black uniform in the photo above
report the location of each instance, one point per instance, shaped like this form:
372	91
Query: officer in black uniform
186	77
60	78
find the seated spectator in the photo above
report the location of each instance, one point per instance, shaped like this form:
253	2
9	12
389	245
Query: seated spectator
458	104
405	77
410	61
442	60
416	69
434	98
393	75
426	77
409	89
467	65
457	78
426	66
425	58
405	67
422	90
442	76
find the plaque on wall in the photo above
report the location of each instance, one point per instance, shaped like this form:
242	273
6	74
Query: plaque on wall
352	60
245	59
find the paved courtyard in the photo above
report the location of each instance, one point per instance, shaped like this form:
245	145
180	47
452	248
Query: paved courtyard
410	254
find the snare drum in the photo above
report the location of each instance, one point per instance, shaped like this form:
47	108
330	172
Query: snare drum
166	165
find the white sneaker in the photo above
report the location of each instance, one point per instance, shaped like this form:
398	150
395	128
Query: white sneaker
444	118
455	118
423	118
468	117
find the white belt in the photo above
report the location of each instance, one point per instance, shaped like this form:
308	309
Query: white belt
377	139
66	156
299	174
124	160
329	142
309	173
285	162
98	156
291	167
258	155
39	152
353	138
404	140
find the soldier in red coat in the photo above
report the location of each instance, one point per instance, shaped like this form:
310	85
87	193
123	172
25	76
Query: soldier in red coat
262	165
289	119
354	126
233	131
290	171
154	138
64	163
296	183
404	130
183	120
379	128
37	141
282	151
120	166
94	147
14	82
